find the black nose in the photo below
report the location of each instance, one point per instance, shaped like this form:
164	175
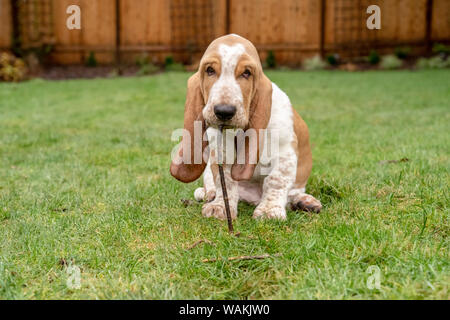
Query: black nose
224	111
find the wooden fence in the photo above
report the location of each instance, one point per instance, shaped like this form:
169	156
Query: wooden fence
293	29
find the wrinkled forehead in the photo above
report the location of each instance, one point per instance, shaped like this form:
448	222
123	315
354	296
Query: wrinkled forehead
231	47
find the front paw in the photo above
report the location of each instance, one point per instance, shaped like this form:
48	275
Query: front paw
306	202
270	212
217	210
200	194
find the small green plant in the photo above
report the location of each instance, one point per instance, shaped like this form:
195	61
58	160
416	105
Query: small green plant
441	49
402	52
439	62
373	58
142	59
12	69
314	63
177	67
91	60
422	63
168	61
145	66
171	65
271	61
147	69
436	62
390	62
333	59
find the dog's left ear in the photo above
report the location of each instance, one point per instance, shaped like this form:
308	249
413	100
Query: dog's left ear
191	163
259	116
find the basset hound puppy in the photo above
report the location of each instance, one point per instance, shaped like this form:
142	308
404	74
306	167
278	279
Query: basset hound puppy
231	90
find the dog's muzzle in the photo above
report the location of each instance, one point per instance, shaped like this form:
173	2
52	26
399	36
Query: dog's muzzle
224	112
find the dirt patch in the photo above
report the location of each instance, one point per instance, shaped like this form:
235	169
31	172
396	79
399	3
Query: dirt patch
84	72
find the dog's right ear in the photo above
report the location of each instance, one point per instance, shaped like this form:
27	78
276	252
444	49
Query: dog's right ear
190	162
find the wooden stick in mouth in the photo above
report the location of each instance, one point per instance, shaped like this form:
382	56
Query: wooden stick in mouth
222	182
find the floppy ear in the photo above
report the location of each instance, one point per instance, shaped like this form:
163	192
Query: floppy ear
259	117
190	163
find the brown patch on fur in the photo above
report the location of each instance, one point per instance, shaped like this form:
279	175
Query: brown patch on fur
192	112
303	151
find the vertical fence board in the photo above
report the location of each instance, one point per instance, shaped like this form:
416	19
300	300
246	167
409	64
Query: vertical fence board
220	12
63	36
411	20
329	23
440	25
97	31
99	27
401	20
145	22
5	24
282	24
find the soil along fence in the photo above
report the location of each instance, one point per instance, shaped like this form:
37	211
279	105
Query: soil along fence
116	30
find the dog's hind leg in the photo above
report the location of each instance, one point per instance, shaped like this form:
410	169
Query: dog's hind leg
299	200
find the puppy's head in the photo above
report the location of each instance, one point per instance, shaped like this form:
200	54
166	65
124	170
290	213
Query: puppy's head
229	89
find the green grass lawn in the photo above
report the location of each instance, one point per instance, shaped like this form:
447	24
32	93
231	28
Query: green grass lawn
84	177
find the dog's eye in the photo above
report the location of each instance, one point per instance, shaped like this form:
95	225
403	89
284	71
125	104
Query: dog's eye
247	74
210	71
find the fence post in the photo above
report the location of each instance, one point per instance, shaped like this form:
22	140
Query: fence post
322	28
118	40
227	16
429	19
16	45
